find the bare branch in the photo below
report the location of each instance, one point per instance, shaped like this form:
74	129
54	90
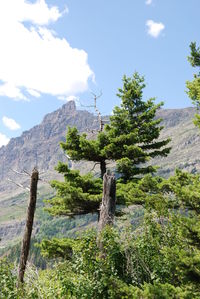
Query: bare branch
86	106
19	185
68	157
44	181
26	172
97	111
101	124
96	95
20	173
95	164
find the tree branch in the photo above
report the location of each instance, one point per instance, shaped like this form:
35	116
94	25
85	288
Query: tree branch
18	184
21	173
95	164
101	123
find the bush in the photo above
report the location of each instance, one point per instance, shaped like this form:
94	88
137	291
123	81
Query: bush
8	280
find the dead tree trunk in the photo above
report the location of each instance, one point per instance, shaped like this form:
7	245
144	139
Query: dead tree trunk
107	208
29	225
103	168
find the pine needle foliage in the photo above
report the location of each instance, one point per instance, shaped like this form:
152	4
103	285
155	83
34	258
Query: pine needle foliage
134	130
194	85
129	140
77	195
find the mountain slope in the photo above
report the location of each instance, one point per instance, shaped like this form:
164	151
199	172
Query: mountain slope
40	145
185	141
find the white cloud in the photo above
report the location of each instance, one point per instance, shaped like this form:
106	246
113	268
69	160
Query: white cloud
154	29
3	140
38	12
148	2
11	91
10	123
33	59
34	93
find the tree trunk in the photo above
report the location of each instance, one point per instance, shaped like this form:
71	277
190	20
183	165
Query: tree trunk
107	208
29	225
103	168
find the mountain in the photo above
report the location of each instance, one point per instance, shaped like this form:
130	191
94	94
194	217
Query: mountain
40	147
185	141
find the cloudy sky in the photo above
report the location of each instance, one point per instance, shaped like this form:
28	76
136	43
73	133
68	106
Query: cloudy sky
52	51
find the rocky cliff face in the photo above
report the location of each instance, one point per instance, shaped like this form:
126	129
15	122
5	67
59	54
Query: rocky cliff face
40	145
185	141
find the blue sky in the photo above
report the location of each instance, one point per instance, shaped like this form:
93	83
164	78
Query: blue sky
52	51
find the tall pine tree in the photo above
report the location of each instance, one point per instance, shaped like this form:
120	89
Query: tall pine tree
129	140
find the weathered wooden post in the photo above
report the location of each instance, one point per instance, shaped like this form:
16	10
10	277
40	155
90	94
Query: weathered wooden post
29	226
108	205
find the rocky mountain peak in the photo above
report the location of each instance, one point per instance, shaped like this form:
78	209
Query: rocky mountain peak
69	106
67	109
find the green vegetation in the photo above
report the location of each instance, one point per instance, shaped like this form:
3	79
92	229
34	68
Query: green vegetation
155	253
130	140
49	227
194	86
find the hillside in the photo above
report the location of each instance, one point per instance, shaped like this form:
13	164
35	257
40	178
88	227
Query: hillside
40	146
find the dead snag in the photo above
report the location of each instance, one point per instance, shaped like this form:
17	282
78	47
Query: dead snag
29	225
107	208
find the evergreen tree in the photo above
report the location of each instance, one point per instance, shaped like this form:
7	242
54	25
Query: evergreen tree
161	254
174	212
194	86
77	195
130	140
133	131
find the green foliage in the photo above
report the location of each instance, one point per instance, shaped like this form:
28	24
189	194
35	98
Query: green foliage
79	147
13	254
180	224
129	140
194	59
88	275
8	280
133	130
169	241
194	86
160	259
78	194
49	227
57	248
139	264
